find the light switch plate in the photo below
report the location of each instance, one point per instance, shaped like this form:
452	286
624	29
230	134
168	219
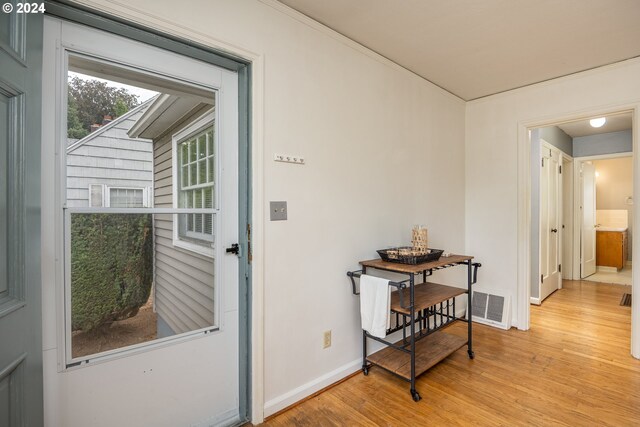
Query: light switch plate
278	211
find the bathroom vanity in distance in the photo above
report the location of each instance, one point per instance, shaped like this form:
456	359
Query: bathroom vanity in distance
611	247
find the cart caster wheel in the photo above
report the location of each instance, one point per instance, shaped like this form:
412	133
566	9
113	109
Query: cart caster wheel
472	355
415	395
365	371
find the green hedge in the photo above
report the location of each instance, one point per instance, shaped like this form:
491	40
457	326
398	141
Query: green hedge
111	267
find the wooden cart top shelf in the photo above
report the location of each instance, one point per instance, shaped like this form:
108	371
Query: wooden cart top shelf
417	268
425	295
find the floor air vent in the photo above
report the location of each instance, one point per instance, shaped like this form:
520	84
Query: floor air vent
491	309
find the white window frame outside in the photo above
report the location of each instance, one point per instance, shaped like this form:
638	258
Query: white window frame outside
147	195
198	125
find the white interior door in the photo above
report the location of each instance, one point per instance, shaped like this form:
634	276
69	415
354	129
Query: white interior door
550	221
189	373
588	238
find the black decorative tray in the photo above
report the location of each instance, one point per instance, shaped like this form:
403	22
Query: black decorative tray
393	255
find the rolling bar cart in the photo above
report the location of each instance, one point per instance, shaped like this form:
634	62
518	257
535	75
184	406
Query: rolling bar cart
421	311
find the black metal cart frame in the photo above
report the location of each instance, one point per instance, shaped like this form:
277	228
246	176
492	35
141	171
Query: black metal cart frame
429	320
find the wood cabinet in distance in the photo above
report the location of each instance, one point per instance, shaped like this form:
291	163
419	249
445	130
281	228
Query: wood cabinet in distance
611	248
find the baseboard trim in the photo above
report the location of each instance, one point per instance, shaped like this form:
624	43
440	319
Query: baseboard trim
535	301
226	419
306	391
292	397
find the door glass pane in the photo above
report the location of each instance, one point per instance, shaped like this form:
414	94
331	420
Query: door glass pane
136	277
100	151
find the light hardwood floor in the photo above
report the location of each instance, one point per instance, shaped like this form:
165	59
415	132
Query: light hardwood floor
573	368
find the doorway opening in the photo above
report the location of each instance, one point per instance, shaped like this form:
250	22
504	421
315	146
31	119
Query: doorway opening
581	205
613	219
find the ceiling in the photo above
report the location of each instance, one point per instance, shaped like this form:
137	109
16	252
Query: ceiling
475	48
614	123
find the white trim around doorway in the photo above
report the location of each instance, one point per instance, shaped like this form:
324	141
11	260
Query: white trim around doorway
523	296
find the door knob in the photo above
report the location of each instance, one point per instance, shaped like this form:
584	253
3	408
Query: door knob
554	230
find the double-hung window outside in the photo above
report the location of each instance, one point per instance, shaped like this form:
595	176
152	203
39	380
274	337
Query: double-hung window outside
195	154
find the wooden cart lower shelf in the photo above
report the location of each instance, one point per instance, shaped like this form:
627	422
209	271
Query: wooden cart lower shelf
429	351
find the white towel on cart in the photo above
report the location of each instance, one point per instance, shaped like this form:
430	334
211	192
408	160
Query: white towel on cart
375	303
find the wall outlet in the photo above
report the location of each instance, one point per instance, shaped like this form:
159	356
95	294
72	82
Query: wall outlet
327	339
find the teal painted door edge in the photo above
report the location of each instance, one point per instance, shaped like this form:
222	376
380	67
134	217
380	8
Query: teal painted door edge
21	377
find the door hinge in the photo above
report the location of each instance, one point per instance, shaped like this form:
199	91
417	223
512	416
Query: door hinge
543	162
541	278
560	168
559	268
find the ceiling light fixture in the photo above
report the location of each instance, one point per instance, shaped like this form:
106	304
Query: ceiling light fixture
599	122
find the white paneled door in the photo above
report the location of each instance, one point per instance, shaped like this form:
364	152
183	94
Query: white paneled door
550	220
588	245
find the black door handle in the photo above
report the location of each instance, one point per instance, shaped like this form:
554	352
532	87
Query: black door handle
234	249
553	230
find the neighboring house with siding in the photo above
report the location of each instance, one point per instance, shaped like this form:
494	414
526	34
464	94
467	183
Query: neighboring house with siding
182	133
107	168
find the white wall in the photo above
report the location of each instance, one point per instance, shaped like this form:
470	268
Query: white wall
494	125
384	150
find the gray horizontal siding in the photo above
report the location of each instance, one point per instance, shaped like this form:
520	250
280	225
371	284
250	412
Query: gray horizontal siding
114	153
80	182
110	158
184	280
121	144
162	183
95	162
187	308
